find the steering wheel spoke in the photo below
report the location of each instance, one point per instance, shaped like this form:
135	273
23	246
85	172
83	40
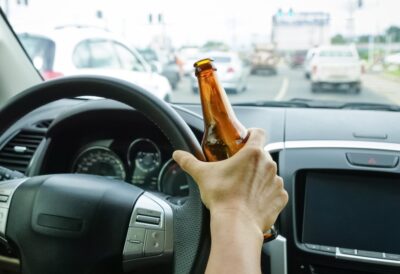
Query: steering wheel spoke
150	233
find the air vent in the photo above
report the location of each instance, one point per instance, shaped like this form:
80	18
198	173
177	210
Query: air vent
18	152
44	124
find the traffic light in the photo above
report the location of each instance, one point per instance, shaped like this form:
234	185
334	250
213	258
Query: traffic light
279	12
360	3
290	12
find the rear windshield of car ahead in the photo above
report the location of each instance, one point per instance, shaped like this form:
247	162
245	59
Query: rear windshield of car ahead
221	59
40	50
336	53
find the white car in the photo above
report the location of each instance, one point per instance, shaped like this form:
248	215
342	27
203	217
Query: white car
336	68
188	56
231	71
69	51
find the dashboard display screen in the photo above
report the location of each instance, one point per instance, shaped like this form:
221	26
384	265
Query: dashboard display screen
352	211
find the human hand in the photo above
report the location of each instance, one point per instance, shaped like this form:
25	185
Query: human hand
244	186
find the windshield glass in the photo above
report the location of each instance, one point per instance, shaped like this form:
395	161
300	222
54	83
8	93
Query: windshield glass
346	51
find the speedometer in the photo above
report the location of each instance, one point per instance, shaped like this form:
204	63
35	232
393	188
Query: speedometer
100	161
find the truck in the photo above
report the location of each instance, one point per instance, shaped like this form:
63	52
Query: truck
336	68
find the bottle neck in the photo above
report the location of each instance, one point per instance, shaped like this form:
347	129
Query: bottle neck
213	97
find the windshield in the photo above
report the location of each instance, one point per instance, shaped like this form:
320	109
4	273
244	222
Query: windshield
345	51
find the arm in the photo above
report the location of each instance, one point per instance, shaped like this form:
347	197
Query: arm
235	245
244	196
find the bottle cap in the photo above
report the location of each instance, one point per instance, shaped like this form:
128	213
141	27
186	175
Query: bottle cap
204	64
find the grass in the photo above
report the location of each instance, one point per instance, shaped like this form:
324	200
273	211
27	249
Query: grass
395	73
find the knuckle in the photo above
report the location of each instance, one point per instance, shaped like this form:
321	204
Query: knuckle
259	131
279	182
256	152
285	197
271	166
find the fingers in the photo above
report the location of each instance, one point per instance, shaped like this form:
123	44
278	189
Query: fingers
257	137
256	141
187	162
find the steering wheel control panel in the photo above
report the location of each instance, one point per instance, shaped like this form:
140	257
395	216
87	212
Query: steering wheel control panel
7	189
150	231
8	174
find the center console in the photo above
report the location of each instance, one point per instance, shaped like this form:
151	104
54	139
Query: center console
344	212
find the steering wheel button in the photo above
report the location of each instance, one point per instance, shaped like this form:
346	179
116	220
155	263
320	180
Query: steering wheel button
154	244
148	219
133	250
149	212
136	234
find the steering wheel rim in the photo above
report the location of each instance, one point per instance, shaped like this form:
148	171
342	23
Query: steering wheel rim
189	219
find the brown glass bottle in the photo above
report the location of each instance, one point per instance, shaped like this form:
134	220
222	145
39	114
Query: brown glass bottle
223	135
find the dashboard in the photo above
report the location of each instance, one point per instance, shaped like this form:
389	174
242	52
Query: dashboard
119	144
340	167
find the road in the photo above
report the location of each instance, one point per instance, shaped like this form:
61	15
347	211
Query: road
289	84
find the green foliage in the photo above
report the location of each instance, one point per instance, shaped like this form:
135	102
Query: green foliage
338	39
215	45
394	33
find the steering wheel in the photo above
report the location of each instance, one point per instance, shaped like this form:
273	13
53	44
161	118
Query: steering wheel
70	223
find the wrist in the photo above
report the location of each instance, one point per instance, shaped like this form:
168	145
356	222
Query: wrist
235	239
233	222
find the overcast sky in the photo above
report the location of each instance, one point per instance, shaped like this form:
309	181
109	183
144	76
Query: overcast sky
196	21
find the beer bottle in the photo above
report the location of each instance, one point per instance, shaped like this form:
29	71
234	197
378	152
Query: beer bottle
223	135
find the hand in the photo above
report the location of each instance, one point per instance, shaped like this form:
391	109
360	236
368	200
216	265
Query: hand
245	186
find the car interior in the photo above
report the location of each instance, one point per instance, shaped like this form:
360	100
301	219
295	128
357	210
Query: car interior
88	184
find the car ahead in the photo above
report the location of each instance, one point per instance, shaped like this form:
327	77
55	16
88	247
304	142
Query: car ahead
168	68
336	68
264	58
296	59
187	57
232	73
72	50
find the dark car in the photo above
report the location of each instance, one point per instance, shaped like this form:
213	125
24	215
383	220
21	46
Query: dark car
167	68
297	58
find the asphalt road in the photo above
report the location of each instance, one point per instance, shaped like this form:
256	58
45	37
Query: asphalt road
291	83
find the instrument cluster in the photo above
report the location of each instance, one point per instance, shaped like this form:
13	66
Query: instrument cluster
143	163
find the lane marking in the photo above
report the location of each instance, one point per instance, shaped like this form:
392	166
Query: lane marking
282	90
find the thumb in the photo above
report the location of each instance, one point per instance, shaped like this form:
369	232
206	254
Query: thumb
187	162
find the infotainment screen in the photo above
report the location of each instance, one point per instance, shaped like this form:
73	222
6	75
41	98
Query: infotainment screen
357	211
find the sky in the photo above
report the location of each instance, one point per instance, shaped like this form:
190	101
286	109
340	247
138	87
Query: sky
196	21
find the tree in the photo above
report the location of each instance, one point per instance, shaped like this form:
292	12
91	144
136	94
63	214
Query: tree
215	45
338	39
394	33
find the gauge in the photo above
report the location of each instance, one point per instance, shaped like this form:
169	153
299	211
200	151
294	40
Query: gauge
144	157
100	161
172	180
